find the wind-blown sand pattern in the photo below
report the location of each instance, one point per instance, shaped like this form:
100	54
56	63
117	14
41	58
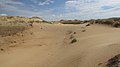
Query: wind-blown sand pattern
47	45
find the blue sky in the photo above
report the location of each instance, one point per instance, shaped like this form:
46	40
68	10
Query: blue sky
61	9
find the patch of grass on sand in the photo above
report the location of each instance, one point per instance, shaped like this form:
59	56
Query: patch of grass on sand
73	41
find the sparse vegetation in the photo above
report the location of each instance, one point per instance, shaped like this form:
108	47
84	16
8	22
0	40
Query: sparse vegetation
88	25
46	22
11	30
71	21
115	22
83	30
71	37
10	25
74	33
114	62
2	49
73	41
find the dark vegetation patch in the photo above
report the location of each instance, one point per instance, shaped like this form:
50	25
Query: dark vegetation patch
74	33
71	37
73	41
71	21
2	49
115	22
114	61
88	25
83	30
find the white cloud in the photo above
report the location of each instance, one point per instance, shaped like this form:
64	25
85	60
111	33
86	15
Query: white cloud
46	2
45	14
42	2
71	4
92	8
73	9
11	2
15	10
3	14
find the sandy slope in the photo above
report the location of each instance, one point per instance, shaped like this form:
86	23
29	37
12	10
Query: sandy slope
50	46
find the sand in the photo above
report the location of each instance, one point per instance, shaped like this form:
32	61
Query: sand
50	46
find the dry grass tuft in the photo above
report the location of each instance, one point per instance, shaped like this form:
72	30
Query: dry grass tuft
73	41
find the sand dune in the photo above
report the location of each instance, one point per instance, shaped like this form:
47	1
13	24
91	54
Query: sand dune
52	46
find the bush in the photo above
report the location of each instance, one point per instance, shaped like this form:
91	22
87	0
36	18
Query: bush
114	61
83	30
88	25
71	37
73	41
116	25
